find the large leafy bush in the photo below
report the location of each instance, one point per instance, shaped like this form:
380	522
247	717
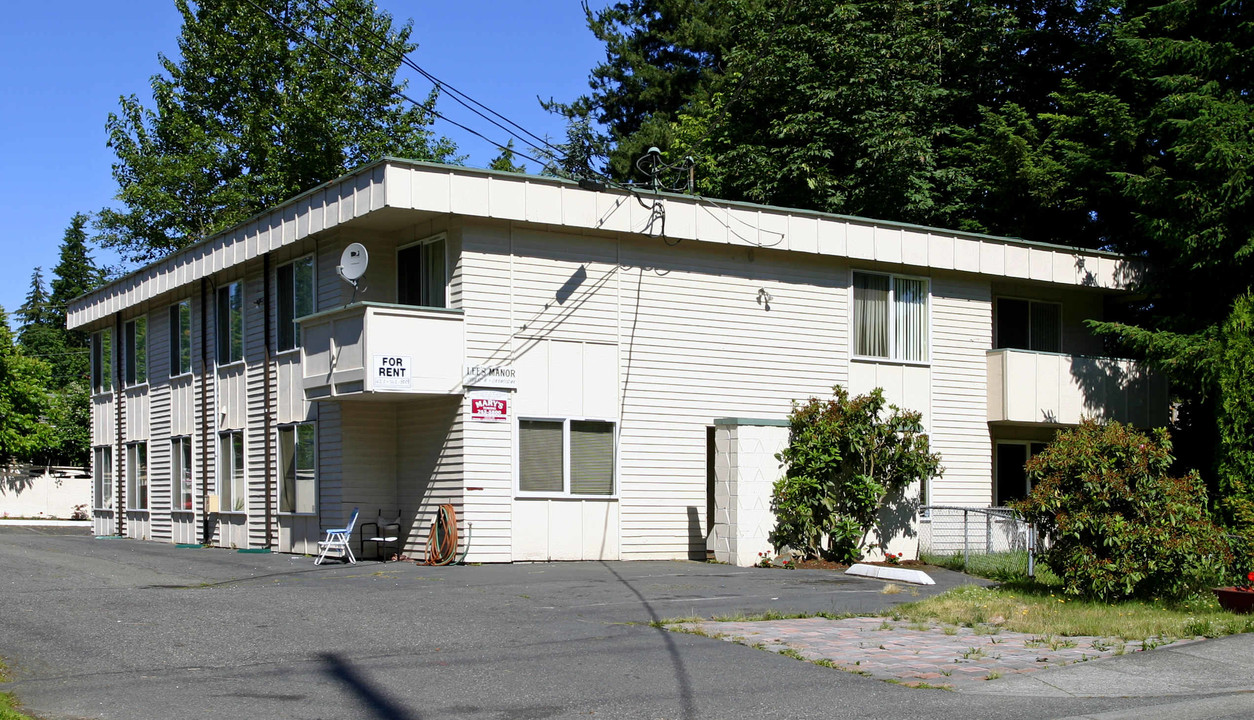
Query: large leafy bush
1120	525
844	457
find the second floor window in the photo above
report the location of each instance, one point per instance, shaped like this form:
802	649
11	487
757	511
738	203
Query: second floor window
890	317
296	293
420	274
1029	325
102	361
135	351
229	325
180	338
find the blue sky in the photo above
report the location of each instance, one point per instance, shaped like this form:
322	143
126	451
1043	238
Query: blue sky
66	63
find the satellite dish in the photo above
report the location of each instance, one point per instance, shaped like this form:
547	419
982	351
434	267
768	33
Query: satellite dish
353	262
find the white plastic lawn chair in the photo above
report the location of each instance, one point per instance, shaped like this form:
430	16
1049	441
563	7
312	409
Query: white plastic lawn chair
337	539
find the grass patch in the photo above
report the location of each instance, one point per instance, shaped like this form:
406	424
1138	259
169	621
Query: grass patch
1042	611
1002	567
8	708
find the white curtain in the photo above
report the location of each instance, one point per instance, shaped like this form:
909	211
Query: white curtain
910	313
870	315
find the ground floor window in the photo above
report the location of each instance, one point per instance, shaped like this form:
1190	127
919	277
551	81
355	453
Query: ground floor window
231	490
137	476
102	474
1012	478
181	473
298	465
566	457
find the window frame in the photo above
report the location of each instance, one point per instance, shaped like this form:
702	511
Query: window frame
222	323
892	356
294	428
431	240
279	303
565	493
137	458
176	462
101	362
135	362
239	468
177	336
997	341
99	477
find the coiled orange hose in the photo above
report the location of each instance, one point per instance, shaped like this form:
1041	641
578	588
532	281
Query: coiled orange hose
442	542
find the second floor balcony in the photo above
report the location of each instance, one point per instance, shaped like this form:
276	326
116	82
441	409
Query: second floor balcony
382	350
1058	389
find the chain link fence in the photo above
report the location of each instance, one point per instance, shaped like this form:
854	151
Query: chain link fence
951	530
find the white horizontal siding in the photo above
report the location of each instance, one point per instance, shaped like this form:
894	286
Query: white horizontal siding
962	333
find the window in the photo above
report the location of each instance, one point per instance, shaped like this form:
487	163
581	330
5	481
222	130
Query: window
890	317
229	323
180	338
296	295
1029	325
102	474
1012	477
135	351
102	361
298	465
231	490
181	474
137	476
420	274
566	457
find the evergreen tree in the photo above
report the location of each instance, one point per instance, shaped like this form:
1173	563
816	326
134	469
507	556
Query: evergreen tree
76	273
34	311
505	161
249	115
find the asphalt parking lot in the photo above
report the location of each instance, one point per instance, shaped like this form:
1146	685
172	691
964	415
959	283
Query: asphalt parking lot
125	629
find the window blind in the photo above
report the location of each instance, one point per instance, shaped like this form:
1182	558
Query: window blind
591	458
540	456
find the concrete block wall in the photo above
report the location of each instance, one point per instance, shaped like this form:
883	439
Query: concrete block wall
745	471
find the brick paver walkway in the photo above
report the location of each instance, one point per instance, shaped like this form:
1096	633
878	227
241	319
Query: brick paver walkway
914	654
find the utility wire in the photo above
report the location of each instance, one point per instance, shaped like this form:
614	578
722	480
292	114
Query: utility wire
657	209
384	84
385	45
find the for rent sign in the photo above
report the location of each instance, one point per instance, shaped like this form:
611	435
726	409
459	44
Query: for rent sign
392	372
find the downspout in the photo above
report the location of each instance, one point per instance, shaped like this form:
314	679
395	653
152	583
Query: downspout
269	464
204	414
119	399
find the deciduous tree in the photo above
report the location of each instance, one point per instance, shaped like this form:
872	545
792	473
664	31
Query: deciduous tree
249	115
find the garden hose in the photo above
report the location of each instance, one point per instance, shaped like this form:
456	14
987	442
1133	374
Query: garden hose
442	542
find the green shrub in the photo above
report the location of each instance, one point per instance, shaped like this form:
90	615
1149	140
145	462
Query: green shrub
1120	525
844	457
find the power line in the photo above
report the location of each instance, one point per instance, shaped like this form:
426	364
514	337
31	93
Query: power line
658	210
383	84
325	8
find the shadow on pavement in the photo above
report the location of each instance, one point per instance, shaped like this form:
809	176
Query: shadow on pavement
381	706
681	673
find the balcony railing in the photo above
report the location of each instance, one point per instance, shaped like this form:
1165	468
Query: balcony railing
1036	387
381	350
